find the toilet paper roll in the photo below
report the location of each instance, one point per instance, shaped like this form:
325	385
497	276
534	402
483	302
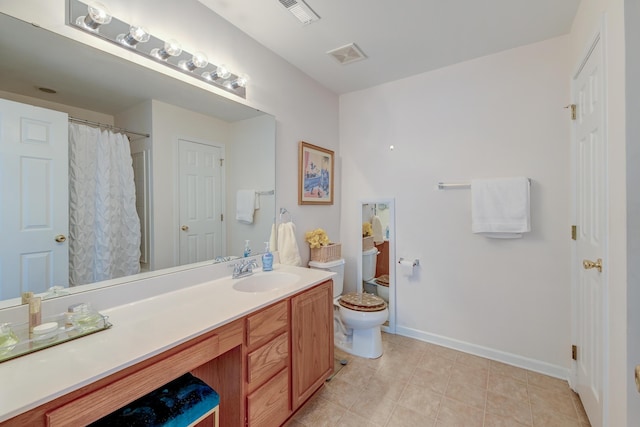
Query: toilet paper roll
406	267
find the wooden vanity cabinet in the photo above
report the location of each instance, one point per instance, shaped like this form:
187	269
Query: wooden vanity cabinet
289	354
263	366
311	341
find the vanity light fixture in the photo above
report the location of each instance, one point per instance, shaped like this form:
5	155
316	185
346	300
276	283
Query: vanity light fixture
136	34
220	73
198	60
97	14
95	18
171	48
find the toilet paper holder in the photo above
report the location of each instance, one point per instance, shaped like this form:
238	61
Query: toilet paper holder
414	263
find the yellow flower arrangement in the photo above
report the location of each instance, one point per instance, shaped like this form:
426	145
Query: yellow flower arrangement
367	230
317	238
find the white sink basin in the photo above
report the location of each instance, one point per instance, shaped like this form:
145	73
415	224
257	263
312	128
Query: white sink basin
265	281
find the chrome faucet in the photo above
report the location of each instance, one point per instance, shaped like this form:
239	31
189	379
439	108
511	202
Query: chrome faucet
243	268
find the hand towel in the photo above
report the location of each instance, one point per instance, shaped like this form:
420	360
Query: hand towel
376	226
245	205
287	245
273	238
500	207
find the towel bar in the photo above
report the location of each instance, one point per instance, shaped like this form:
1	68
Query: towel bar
445	186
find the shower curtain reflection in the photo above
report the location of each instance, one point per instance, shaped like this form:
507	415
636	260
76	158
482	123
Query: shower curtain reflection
104	228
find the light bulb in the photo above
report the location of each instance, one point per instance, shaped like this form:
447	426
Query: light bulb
171	48
241	81
137	34
97	15
199	60
221	72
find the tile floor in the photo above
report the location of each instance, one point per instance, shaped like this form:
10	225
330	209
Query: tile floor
420	384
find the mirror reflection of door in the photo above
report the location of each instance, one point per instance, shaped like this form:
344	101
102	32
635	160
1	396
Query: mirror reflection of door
200	199
34	220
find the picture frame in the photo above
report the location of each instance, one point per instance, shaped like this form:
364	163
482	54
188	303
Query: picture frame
315	175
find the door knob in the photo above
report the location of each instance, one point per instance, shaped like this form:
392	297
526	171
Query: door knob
185	228
60	238
587	264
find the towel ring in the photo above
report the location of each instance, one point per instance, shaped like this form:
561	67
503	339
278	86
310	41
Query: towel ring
284	211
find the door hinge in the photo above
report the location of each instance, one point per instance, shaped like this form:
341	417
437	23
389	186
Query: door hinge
574	352
572	107
221	162
574	232
221	217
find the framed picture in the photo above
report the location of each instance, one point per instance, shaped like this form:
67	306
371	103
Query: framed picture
315	175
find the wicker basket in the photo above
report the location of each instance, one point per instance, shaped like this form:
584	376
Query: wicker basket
331	252
367	243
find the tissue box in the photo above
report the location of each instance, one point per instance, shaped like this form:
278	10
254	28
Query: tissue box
367	243
331	252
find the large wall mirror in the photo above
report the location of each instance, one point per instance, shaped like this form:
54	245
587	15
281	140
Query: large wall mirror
178	117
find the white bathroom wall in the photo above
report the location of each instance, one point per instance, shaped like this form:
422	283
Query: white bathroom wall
252	150
632	60
171	123
500	115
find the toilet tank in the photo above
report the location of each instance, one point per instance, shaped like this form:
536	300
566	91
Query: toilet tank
369	263
336	266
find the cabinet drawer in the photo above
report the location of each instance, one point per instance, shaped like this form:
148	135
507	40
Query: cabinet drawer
267	324
269	405
267	360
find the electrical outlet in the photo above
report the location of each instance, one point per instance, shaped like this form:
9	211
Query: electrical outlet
638	377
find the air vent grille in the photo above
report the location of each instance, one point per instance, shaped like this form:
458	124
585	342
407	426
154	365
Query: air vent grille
347	54
300	10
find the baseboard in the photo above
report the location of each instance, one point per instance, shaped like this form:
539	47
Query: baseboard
489	353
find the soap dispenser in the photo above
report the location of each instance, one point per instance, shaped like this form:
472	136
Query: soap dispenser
247	248
267	258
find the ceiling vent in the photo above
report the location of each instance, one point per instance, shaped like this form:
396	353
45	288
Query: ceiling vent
300	10
347	54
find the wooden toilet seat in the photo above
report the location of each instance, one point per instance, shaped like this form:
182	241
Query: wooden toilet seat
362	302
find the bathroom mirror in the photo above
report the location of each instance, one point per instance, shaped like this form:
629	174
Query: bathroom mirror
87	79
380	215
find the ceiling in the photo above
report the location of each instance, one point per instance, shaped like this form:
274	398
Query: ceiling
400	38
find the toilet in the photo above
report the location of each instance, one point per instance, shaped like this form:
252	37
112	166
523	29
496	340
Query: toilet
379	284
357	316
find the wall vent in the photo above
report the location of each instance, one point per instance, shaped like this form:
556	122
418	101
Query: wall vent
347	54
300	10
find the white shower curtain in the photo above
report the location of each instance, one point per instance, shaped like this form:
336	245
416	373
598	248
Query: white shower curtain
104	228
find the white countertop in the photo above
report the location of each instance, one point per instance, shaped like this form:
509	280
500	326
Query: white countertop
141	329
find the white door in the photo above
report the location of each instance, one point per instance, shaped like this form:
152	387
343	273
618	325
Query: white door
591	217
33	199
200	202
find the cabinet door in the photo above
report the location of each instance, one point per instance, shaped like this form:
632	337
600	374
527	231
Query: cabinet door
311	341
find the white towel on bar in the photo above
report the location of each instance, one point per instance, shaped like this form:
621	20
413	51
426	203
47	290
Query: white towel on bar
376	226
287	245
246	205
500	207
